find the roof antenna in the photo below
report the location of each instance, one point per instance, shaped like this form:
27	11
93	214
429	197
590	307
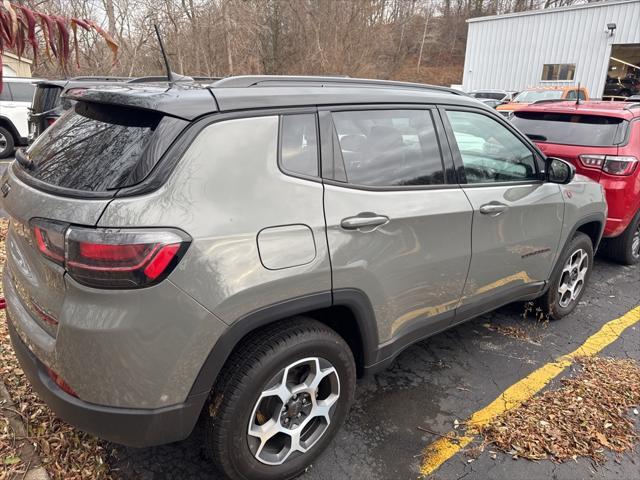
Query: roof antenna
578	95
164	55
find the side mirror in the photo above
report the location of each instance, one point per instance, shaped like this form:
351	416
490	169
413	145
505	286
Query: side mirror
559	171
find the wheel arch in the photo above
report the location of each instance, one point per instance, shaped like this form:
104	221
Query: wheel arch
592	226
347	311
8	124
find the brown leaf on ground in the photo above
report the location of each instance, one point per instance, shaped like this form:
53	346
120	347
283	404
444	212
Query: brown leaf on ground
515	331
588	414
66	453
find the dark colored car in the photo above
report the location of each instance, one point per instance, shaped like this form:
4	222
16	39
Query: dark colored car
48	104
602	140
621	87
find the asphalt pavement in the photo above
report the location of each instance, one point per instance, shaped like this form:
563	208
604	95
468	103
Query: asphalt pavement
435	382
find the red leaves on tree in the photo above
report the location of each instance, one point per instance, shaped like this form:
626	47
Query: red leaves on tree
18	29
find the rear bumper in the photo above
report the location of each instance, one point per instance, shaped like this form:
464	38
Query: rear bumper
127	426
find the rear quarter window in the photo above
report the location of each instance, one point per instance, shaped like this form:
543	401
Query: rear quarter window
572	129
99	148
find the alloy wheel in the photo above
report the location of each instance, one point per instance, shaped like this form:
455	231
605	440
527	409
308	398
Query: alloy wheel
635	243
572	277
294	411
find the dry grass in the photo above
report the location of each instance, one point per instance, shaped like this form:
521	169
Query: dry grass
66	453
586	416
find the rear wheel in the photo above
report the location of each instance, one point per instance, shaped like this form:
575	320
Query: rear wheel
626	247
282	397
7	144
569	279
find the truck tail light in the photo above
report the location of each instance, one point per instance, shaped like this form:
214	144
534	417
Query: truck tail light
111	258
611	164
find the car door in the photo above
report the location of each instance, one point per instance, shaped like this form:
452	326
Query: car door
17	110
398	225
517	216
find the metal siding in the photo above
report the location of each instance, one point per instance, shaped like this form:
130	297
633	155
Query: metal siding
509	52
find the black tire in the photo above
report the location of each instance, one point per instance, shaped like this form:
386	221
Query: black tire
552	302
251	370
9	143
625	248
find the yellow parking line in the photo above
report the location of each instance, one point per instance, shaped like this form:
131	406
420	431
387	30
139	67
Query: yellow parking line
443	449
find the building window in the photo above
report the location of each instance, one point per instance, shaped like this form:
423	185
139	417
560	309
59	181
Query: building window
558	71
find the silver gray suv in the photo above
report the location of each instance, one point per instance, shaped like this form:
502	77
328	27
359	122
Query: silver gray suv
246	249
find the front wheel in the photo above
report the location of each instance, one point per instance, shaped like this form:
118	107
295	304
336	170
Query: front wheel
569	278
280	400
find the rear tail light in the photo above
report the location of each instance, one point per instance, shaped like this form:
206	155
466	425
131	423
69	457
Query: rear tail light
49	237
111	258
51	121
611	164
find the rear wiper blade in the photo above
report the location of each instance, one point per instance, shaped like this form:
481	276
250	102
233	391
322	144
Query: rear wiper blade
534	137
22	157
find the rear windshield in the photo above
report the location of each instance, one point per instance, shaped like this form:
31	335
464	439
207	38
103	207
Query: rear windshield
46	97
93	147
571	129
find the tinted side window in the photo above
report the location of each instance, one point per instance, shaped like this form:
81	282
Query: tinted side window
573	94
489	151
389	147
299	144
22	92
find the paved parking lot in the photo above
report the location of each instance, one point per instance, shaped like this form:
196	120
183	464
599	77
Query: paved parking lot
436	382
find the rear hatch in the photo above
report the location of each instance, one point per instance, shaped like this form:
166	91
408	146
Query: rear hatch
68	177
576	137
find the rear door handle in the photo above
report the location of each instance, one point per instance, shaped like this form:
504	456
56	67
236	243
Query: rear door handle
365	219
493	208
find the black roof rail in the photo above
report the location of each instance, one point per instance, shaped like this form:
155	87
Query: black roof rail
244	81
163	78
100	78
149	78
205	79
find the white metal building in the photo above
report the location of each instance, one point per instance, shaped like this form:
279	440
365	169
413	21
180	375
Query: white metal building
593	44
